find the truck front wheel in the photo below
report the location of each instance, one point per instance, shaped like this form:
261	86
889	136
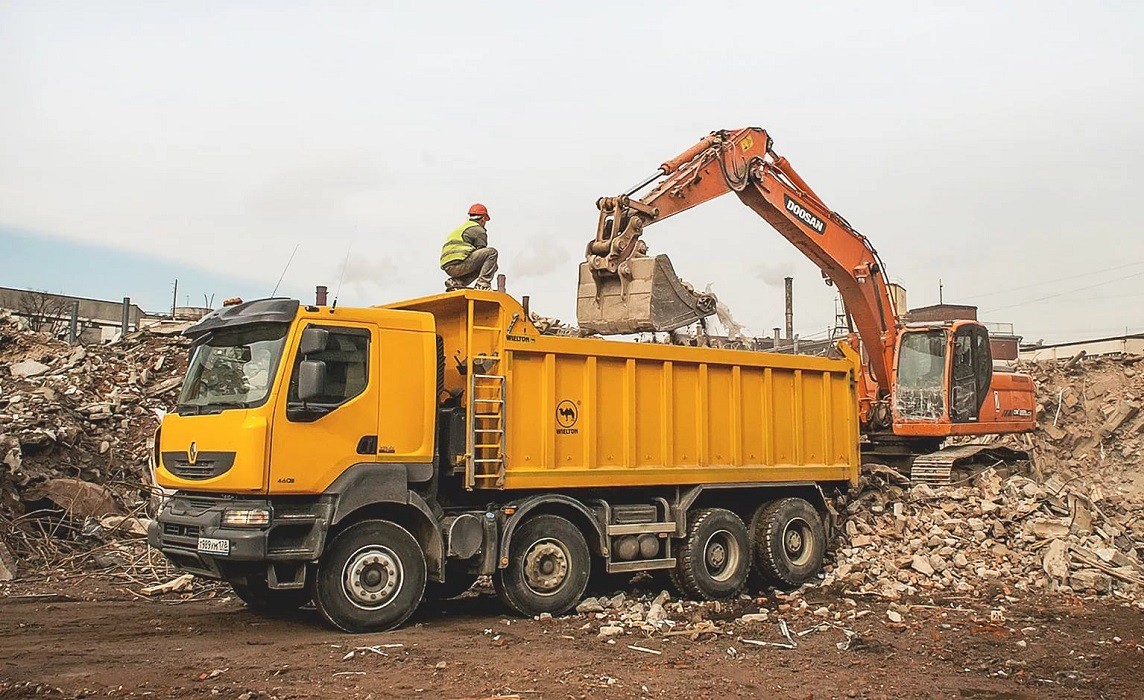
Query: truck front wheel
371	577
789	541
714	560
548	567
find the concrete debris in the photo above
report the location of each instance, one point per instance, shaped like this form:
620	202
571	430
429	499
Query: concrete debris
79	499
7	563
27	368
1069	520
175	585
76	425
1011	532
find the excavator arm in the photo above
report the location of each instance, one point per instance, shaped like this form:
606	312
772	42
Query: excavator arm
743	162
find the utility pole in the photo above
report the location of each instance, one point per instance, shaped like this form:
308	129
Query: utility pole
940	287
174	299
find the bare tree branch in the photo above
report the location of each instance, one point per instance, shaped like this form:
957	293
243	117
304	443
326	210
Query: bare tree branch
46	313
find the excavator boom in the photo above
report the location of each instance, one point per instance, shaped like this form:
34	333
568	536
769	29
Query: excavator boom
743	162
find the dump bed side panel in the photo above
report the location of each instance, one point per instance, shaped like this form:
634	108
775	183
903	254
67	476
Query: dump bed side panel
578	419
583	412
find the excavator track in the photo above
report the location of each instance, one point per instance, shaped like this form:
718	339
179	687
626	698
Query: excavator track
937	467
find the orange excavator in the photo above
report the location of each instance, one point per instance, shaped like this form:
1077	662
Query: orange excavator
920	383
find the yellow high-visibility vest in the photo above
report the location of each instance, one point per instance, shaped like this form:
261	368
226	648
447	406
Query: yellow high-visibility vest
456	248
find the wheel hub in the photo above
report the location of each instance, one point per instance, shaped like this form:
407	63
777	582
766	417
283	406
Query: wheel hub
796	541
545	567
372	577
722	555
717	556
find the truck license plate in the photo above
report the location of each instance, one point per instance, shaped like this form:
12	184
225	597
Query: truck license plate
213	546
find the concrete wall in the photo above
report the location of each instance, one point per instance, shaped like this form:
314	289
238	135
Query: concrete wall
93	313
1128	345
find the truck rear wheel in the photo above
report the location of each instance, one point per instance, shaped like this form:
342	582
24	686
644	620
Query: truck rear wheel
548	567
714	560
261	598
789	541
371	577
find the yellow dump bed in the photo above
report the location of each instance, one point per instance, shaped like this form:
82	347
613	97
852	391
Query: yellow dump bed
562	412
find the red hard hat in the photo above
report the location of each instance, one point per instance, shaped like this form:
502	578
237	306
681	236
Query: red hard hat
479	209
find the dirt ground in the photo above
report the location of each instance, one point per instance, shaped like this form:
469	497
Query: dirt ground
110	643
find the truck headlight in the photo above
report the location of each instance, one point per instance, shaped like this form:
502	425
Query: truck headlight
247	517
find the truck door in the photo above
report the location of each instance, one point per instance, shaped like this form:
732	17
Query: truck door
315	441
971	372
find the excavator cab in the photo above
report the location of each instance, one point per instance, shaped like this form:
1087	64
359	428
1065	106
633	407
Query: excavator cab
944	373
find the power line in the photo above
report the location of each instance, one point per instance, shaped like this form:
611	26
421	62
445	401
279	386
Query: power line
1052	281
1065	293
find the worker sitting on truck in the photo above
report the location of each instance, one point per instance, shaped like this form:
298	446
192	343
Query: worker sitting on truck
466	256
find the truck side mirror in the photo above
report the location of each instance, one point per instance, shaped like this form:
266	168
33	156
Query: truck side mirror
311	379
313	340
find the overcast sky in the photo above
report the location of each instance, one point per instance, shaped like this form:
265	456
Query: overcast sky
993	146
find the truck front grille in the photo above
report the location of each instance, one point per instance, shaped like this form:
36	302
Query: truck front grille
207	465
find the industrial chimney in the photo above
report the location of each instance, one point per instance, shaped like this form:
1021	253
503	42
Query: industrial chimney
789	284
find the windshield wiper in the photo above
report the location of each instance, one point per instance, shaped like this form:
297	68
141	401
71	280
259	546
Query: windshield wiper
200	409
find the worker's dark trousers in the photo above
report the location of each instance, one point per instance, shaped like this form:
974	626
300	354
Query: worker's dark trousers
480	266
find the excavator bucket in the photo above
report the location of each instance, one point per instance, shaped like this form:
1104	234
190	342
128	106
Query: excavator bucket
651	298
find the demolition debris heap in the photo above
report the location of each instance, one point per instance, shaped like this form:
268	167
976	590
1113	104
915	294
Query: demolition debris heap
76	421
1072	522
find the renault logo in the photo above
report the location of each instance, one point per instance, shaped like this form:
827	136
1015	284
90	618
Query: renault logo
192	453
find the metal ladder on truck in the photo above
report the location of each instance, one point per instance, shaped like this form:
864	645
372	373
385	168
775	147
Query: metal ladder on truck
485	449
486	412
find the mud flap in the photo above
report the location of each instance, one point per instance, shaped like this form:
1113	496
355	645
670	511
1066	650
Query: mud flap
646	296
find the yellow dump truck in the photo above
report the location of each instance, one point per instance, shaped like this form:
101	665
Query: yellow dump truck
365	458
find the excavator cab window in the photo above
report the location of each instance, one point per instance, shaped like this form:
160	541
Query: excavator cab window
920	390
970	374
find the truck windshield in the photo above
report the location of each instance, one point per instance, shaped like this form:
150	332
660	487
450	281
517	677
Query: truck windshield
920	392
232	368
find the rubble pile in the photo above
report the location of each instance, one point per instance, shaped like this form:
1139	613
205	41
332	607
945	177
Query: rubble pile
1011	533
1089	421
1071	522
76	424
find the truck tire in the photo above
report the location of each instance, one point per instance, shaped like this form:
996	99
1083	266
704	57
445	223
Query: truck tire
789	541
261	598
548	567
370	578
715	558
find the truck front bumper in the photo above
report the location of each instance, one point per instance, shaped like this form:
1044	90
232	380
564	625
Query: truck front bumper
295	534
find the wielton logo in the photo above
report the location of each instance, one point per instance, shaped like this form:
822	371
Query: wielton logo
566	415
803	215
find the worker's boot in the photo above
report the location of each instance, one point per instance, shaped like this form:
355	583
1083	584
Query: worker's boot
481	284
453	284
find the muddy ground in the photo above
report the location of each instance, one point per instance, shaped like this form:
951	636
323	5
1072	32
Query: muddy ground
107	642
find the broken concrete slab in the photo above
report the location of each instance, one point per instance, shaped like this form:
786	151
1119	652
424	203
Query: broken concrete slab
8	569
28	368
79	499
